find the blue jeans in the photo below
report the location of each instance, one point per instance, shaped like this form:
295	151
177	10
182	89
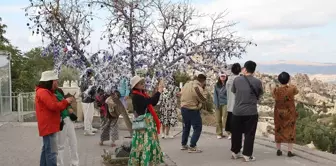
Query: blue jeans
191	118
49	151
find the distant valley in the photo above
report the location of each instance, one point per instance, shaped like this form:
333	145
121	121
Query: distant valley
322	71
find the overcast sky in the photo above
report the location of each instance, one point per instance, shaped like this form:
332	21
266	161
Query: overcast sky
300	30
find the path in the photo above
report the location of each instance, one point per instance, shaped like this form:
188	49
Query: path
21	145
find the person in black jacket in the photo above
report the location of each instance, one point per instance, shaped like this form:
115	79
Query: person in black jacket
146	148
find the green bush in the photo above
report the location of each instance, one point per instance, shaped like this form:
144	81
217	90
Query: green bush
308	130
181	77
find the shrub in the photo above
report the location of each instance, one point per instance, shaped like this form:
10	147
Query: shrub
308	130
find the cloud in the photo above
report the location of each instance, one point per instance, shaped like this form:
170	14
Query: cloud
282	29
293	30
275	14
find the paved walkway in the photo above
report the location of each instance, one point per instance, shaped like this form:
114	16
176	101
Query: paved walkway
21	145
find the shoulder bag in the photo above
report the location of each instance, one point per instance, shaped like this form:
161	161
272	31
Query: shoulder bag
252	88
139	122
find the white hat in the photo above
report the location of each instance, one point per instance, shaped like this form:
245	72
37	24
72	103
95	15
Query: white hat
135	80
49	76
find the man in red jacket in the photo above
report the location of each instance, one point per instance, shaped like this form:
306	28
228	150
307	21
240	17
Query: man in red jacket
48	116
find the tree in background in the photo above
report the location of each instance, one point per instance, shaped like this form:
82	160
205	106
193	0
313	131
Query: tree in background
68	74
3	27
26	68
31	68
159	36
129	29
64	24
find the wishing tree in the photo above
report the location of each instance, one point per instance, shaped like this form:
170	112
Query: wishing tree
156	36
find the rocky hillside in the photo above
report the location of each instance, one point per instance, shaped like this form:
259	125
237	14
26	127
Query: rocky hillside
315	95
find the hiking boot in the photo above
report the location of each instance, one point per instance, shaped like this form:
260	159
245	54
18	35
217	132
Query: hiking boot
236	156
184	147
290	154
249	158
279	153
194	150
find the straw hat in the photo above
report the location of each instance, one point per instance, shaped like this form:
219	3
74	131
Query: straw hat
49	76
135	80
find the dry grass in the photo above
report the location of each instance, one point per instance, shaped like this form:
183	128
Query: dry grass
209	119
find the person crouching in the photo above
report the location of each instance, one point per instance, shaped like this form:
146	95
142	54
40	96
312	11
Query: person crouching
110	119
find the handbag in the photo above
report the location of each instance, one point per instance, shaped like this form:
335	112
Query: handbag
61	125
139	122
73	117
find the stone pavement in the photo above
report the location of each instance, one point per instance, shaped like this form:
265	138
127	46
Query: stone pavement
21	145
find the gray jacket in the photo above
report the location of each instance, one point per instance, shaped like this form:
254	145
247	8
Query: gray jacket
230	95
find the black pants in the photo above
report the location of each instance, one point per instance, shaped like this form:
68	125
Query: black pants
228	122
248	126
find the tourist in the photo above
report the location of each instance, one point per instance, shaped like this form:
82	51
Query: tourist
124	91
168	109
48	115
193	97
146	148
88	98
67	133
248	90
110	119
220	101
285	114
235	69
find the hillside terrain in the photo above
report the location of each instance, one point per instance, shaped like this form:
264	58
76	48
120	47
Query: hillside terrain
316	101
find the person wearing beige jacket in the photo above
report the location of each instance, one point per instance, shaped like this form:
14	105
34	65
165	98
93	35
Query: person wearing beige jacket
193	96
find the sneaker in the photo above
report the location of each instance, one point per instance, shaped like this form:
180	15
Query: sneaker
194	150
219	137
229	138
169	136
163	136
94	130
249	158
236	156
184	147
89	133
290	154
279	153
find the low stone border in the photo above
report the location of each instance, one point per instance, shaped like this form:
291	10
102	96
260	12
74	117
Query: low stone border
306	153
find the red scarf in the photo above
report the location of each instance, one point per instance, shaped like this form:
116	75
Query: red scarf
151	109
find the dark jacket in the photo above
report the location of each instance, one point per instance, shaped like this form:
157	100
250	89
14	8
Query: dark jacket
140	103
85	85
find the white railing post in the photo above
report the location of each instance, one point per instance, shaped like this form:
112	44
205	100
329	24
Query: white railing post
18	107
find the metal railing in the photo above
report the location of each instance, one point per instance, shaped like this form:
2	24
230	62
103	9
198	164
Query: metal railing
25	104
5	105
